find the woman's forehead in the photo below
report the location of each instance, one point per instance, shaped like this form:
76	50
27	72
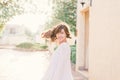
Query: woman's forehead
62	30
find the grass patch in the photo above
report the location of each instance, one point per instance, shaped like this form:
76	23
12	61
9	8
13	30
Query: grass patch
32	46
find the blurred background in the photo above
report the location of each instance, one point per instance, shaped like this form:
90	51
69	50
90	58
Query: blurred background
95	32
23	21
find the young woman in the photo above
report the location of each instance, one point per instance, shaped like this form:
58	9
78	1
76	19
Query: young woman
60	65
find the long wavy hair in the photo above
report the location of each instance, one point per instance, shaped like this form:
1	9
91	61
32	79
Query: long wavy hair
52	33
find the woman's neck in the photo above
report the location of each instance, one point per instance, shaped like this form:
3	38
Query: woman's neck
62	42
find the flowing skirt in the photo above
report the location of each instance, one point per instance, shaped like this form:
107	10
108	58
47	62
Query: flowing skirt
60	67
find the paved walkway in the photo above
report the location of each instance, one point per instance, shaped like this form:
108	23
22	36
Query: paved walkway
17	65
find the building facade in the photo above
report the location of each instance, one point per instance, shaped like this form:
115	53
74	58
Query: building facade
98	39
14	34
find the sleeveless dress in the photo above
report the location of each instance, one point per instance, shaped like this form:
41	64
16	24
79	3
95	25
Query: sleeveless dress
60	65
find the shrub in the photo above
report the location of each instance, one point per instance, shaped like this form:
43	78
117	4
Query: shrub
26	45
31	46
40	46
73	53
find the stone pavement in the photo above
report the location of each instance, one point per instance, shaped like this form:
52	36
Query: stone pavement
19	65
77	75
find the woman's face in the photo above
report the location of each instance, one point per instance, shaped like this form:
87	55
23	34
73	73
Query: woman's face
61	36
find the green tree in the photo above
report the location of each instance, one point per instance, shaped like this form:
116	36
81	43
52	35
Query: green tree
51	22
66	12
8	9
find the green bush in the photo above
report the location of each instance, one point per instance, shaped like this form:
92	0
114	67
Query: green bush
73	53
40	46
25	45
44	46
35	46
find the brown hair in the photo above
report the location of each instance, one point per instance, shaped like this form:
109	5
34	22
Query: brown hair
58	29
52	33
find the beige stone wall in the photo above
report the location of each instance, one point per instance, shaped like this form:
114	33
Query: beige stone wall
104	44
80	40
104	39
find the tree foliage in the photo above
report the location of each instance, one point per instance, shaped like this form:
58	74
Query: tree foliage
66	12
8	9
51	23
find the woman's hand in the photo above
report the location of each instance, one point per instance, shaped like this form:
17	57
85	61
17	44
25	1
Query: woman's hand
46	34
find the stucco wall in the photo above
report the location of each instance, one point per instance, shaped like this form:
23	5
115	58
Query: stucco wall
104	42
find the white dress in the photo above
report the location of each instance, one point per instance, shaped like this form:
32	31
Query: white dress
60	65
